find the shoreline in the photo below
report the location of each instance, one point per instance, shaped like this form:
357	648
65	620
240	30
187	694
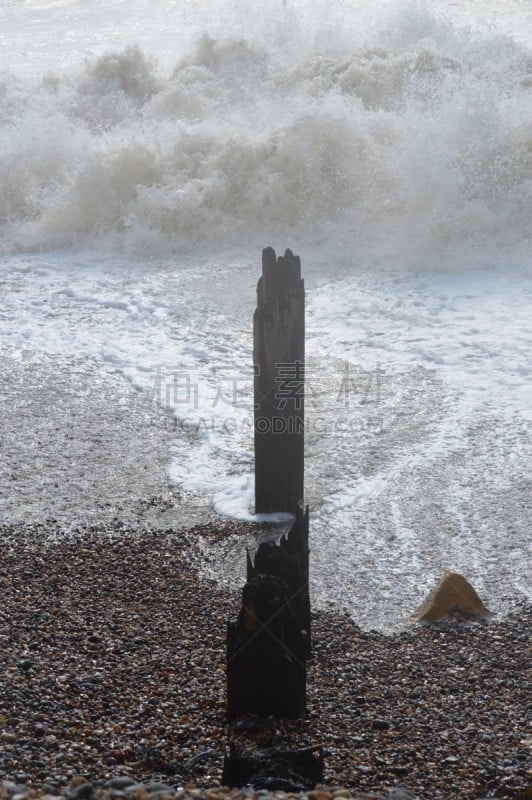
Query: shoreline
81	446
113	650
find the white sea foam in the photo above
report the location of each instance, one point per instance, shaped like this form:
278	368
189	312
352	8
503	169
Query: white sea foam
408	141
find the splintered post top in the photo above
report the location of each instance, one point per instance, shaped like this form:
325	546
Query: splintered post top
279	276
286	268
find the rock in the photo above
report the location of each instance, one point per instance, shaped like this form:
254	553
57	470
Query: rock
158	788
121	782
9	787
133	788
81	792
275	770
200	757
453	593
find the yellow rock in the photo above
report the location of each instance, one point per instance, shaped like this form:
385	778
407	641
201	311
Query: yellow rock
451	594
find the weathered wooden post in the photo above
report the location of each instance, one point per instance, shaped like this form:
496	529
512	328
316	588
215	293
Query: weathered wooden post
275	770
279	360
268	644
289	560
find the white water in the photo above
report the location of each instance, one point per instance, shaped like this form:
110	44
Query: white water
147	154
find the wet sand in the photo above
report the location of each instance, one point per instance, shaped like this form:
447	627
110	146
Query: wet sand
80	445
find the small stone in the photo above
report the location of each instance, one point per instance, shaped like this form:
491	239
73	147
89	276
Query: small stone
380	724
82	792
121	782
398	793
159	788
399	770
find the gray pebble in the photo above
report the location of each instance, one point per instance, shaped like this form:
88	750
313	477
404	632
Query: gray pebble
121	782
81	792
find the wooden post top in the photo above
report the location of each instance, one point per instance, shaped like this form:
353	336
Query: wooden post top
286	268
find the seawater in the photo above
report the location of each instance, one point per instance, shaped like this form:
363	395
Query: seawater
147	154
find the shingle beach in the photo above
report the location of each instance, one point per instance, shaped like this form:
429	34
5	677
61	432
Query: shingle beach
112	648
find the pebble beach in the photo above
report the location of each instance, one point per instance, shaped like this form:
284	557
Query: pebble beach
112	648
